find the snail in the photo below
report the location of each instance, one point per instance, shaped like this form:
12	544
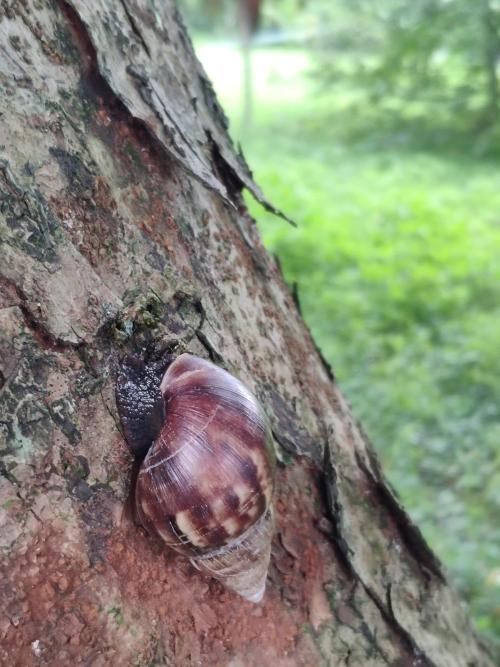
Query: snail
205	484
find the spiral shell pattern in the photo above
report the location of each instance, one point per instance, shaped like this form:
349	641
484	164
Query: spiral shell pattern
205	487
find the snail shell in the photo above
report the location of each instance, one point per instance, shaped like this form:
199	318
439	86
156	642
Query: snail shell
205	486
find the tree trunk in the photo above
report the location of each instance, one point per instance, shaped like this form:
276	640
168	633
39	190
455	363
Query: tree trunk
247	27
123	227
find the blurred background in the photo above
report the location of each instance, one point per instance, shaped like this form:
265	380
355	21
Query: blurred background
375	124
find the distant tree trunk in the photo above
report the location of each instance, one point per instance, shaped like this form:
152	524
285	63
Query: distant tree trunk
123	226
248	19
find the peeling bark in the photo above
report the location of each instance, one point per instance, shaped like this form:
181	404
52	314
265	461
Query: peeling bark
123	229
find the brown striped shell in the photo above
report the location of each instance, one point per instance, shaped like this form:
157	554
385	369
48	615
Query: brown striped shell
206	484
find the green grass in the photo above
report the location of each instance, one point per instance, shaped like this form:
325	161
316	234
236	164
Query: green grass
397	261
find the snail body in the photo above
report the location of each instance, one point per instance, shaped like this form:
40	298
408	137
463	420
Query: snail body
205	485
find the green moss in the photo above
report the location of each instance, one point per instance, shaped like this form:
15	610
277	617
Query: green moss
134	155
116	614
143	311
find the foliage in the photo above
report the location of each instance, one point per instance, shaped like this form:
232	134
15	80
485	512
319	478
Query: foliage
396	261
440	57
444	53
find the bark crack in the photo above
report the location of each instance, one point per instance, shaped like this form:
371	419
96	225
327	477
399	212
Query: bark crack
151	96
13	481
410	534
206	172
44	337
100	85
135	28
387	614
336	513
112	415
385	607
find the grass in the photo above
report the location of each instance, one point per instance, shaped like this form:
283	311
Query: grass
397	261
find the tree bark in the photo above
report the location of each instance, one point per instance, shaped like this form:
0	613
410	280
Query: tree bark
123	229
